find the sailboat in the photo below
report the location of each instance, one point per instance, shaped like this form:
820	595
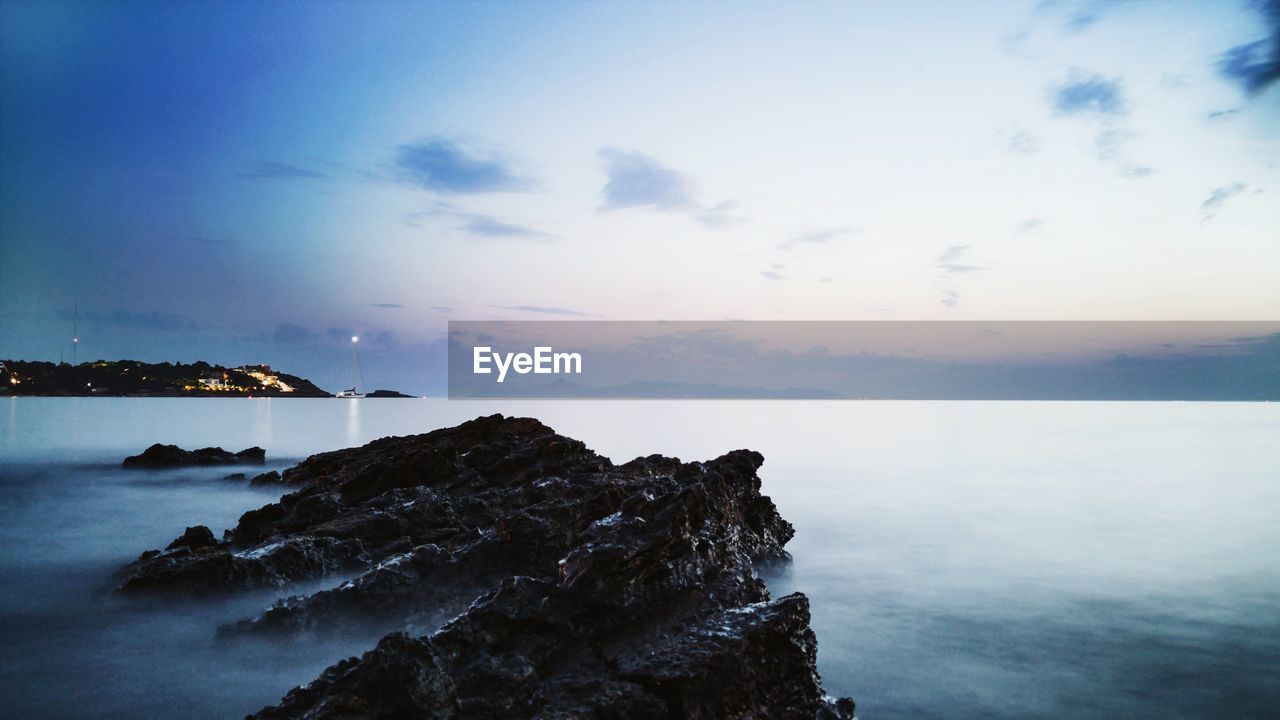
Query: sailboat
355	373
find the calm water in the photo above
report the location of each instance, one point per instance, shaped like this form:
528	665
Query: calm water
965	560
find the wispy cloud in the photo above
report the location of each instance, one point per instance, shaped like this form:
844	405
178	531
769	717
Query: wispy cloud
290	334
774	272
817	237
1110	142
1022	142
1213	204
950	264
1110	146
1081	20
270	170
129	319
1029	225
1256	65
476	224
1092	95
445	166
719	216
387	306
489	227
541	310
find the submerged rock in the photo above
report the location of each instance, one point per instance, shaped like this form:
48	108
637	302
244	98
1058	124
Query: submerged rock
576	587
163	456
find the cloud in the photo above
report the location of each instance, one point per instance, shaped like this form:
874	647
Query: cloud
1030	224
442	308
719	216
1090	96
541	310
387	306
444	166
486	226
1213	204
475	224
638	180
290	334
1109	146
949	265
437	210
1110	142
1023	142
949	261
1256	65
269	170
128	319
1082	20
1226	114
1094	97
774	272
340	333
817	237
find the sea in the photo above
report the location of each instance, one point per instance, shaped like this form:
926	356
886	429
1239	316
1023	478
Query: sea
963	559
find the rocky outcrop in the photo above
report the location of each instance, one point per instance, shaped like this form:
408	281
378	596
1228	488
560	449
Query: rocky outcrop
267	478
194	538
576	587
165	456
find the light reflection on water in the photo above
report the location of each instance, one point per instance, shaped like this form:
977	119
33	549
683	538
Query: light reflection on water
963	559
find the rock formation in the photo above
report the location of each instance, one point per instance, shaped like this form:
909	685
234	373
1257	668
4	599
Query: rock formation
520	574
165	456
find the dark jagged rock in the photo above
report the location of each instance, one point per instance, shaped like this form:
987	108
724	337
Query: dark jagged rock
266	478
194	538
164	456
577	588
234	476
360	506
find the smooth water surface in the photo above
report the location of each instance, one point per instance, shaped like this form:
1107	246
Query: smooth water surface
964	560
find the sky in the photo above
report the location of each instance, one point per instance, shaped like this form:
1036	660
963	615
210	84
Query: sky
258	182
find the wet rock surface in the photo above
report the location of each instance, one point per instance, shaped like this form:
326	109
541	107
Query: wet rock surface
520	574
166	456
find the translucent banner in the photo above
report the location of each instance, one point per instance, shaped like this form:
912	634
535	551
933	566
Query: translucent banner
866	360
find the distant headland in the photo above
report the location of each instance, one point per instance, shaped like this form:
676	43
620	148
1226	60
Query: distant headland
132	378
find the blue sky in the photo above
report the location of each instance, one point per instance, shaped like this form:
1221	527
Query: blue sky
257	182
